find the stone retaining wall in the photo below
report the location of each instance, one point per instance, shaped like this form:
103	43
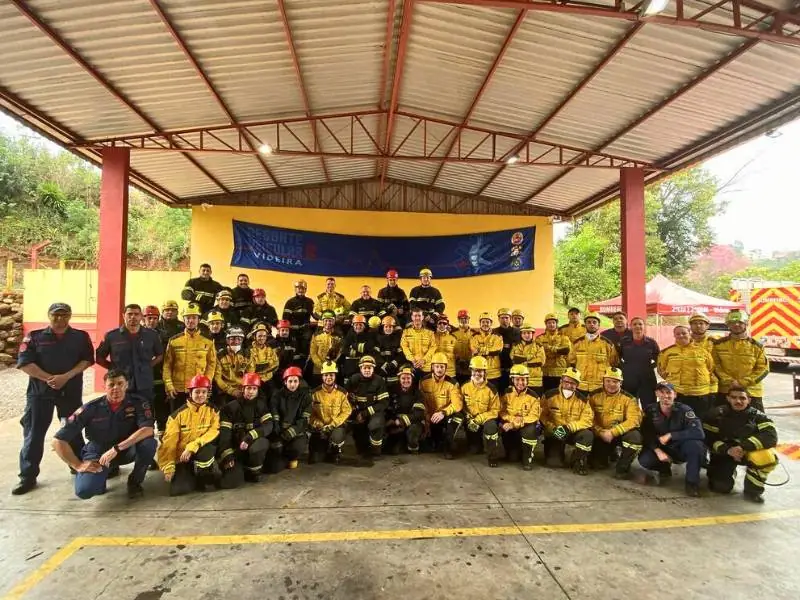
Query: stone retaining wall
10	327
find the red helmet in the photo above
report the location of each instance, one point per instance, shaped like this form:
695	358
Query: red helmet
283	323
259	292
251	379
199	381
463	314
391	273
292	372
151	311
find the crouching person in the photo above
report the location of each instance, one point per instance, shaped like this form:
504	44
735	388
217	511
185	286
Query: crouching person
291	409
369	398
405	417
330	410
481	407
740	435
567	418
119	429
244	428
617	418
520	410
187	455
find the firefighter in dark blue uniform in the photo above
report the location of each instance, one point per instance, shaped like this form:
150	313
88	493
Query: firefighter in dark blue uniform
119	427
134	350
673	433
54	358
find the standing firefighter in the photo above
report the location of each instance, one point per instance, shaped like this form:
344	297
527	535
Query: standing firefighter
520	410
394	299
215	329
297	311
739	360
365	305
232	364
689	368
168	324
638	354
244	428
263	359
573	329
591	355
369	398
405	415
291	410
259	312
567	418
242	294
330	410
418	343
489	346
356	344
286	349
391	354
528	352
446	343
617	418
556	345
443	405
510	336
333	301
481	407
202	290
740	435
188	354
462	350
426	298
699	324
325	345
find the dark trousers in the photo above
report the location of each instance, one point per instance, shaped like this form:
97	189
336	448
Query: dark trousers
328	442
644	391
550	383
246	464
369	433
631	443
408	437
555	448
196	473
35	422
162	407
443	434
486	438
700	404
281	451
521	442
692	452
755	401
722	469
93	484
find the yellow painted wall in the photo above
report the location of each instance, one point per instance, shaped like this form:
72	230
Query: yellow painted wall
532	291
78	288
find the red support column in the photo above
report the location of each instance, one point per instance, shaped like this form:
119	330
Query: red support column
632	222
112	256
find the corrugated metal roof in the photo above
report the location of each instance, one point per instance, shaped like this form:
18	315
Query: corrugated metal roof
242	47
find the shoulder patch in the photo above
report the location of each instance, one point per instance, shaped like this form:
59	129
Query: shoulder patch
690	414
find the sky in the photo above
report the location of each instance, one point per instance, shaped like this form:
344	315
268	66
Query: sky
760	181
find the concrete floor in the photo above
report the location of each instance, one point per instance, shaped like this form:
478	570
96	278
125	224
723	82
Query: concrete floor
412	527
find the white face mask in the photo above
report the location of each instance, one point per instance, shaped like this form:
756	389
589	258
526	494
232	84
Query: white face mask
567	393
236	349
592	336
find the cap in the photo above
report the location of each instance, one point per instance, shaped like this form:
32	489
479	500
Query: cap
665	385
59	307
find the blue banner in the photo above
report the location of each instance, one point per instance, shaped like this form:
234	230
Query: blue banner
451	256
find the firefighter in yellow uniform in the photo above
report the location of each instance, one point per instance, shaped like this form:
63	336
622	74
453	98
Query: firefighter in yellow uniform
462	351
330	410
573	329
331	300
617	421
556	345
232	364
188	354
481	408
591	355
187	454
325	345
263	359
488	345
443	406
528	352
446	343
567	418
418	343
698	324
689	368
520	410
740	360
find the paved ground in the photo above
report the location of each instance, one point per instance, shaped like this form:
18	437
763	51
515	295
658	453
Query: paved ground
412	527
13	384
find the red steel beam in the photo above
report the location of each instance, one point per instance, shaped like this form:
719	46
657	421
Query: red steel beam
748	45
387	59
206	80
75	56
402	43
300	82
500	54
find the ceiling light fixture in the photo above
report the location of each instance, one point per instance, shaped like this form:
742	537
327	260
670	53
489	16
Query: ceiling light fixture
652	7
512	160
265	149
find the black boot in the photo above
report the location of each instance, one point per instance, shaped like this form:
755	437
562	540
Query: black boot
23	487
579	465
753	497
693	490
135	489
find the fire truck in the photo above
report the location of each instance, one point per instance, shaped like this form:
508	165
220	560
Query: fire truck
774	308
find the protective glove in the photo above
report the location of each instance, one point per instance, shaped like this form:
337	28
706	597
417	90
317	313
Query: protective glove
473	426
559	432
288	434
327	429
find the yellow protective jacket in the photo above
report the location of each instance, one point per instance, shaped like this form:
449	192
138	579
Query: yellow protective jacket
334	302
689	368
263	361
573	332
230	370
481	403
443	395
418	344
707	343
321	346
445	343
489	345
462	350
329	407
619	413
573	413
188	428
188	354
592	358
557	346
520	408
530	354
740	360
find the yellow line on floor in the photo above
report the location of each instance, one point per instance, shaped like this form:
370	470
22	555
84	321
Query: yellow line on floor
389	534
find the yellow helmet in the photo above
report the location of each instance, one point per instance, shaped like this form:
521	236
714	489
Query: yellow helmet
527	327
440	358
573	373
478	362
698	316
329	367
360	319
427	272
551	317
405	370
224	294
374	322
591	315
485	315
613	373
192	310
519	371
214	315
366	360
388	320
259	327
301	283
517	313
169	304
736	316
503	312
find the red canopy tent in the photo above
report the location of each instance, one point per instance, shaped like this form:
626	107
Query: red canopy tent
667	298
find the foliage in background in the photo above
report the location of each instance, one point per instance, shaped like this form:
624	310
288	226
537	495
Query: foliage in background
55	196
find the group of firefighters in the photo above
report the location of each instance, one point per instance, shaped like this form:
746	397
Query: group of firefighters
234	392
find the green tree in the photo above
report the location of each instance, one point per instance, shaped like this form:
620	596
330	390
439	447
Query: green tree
587	267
